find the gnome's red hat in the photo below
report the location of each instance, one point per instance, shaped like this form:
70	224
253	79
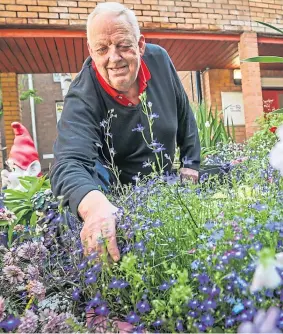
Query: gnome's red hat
23	152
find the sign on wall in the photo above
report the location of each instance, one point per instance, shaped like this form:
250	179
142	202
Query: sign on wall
59	109
233	107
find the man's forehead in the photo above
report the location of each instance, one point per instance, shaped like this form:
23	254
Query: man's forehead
106	24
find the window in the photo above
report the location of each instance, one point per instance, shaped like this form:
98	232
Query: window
59	109
57	77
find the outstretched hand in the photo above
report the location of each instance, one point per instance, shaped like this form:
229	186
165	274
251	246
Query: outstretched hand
99	229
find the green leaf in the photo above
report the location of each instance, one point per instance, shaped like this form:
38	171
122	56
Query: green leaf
4	222
270	26
277	111
263	59
16	193
33	219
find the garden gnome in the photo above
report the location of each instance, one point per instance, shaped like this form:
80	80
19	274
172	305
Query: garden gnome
23	159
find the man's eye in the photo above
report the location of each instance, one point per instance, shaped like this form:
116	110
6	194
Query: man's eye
102	50
124	47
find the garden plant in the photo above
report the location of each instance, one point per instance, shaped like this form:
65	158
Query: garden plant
205	257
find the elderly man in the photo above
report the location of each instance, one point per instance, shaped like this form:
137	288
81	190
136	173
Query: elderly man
121	66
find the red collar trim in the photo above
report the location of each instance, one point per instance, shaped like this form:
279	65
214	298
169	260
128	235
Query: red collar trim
143	76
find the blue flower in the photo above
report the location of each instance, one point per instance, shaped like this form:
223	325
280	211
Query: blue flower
209	225
164	286
132	318
10	323
91	279
96	301
229	322
203	279
143	306
76	294
140	246
193	304
102	310
238	308
209	304
195	264
158	323
179	326
139	128
207	320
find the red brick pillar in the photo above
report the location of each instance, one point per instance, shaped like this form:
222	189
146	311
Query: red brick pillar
11	105
251	83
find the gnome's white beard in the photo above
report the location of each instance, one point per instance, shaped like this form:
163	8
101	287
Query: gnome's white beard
10	180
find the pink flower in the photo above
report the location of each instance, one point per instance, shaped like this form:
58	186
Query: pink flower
2	308
13	274
36	289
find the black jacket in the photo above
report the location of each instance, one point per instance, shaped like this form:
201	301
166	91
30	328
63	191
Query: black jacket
80	134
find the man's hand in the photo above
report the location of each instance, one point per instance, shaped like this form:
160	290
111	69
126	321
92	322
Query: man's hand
99	219
189	174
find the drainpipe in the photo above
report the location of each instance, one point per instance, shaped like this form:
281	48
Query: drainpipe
198	87
32	111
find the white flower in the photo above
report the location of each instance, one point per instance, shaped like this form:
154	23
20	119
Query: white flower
276	154
207	124
266	275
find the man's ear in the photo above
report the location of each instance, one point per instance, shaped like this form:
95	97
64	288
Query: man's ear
34	168
141	44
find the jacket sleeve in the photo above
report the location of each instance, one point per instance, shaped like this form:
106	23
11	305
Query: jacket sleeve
187	133
73	174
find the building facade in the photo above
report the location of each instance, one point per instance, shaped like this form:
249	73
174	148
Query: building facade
208	36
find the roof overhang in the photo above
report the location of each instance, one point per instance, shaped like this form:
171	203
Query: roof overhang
63	51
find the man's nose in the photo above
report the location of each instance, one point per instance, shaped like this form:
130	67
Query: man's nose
114	54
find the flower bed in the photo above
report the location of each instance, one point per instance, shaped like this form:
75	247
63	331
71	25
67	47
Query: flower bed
189	256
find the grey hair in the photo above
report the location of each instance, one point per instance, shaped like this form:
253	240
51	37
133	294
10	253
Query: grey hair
119	9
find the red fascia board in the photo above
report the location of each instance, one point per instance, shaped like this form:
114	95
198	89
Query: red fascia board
269	40
25	33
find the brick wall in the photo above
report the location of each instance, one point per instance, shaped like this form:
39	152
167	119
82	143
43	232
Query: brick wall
45	115
200	15
11	105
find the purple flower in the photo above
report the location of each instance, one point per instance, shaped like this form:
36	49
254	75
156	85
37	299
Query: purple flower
209	225
90	280
203	279
207	320
82	265
118	284
259	207
209	304
143	306
179	326
97	267
264	322
139	128
140	246
158	323
102	310
29	323
193	304
132	318
153	115
76	294
10	324
229	322
164	286
36	289
13	274
96	301
2	308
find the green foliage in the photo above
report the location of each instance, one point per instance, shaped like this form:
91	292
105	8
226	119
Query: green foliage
212	130
264	137
23	202
25	95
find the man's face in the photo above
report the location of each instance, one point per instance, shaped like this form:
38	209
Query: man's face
115	50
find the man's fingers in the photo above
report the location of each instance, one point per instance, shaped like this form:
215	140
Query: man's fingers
113	248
